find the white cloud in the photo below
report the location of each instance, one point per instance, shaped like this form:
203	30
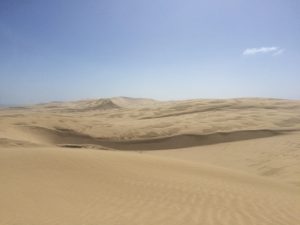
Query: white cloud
279	52
263	50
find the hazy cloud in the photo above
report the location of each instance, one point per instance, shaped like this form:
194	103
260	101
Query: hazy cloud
279	52
263	50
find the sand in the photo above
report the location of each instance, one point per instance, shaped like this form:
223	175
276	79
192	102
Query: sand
139	161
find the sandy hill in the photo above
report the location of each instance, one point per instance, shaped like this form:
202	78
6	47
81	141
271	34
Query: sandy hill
133	102
234	161
92	104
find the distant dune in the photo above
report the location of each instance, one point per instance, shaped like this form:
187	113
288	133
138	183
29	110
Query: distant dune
95	104
141	161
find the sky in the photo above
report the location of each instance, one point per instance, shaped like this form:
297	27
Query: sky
163	49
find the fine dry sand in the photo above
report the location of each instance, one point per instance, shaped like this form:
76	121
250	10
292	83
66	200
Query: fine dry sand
144	162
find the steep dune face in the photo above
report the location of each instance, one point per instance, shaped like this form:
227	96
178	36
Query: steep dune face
60	136
41	186
54	170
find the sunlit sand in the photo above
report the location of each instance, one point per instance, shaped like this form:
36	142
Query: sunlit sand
140	161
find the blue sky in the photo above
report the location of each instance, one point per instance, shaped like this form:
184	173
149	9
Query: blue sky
164	49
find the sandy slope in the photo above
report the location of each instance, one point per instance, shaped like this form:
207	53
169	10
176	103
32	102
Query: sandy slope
65	186
276	157
215	162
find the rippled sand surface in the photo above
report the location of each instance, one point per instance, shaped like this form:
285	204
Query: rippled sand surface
139	161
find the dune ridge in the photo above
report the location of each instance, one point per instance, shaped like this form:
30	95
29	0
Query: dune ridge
72	138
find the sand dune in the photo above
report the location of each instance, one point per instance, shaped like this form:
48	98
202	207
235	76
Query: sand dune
92	104
233	161
59	136
59	186
274	157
